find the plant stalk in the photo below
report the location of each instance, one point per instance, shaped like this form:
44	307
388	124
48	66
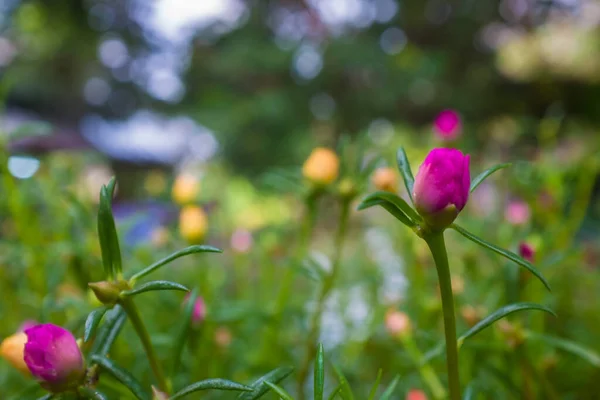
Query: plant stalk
435	241
142	332
328	284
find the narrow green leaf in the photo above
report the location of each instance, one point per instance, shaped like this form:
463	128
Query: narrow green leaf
184	329
499	314
153	286
122	376
92	394
375	386
108	332
407	175
505	253
259	388
569	346
319	375
345	389
181	253
280	391
390	389
47	397
107	232
393	204
335	392
91	323
469	392
482	176
210	384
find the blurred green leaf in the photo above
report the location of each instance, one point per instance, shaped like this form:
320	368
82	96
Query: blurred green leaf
280	391
259	388
122	376
375	386
47	397
153	286
394	205
482	176
108	332
569	346
390	389
335	392
107	232
184	330
319	374
181	253
505	253
469	392
92	394
210	384
91	323
499	314
345	389
38	128
405	170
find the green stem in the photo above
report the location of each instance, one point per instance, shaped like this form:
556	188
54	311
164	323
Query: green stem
140	329
427	373
328	284
436	244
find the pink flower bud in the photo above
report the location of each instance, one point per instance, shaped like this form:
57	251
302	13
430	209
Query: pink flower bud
397	323
53	357
447	125
517	212
415	394
199	311
527	252
441	187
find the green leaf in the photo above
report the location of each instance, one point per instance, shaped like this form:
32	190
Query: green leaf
122	376
107	232
184	329
334	393
47	397
390	389
345	390
319	375
108	332
210	384
499	314
34	128
259	388
153	286
407	175
469	392
91	323
181	253
375	386
569	346
482	176
394	205
92	394
280	391
505	253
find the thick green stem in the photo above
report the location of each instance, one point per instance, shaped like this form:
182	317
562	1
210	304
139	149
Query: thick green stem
328	284
140	329
436	244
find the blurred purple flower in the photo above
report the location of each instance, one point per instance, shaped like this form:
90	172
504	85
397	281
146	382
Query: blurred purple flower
441	187
527	252
447	125
53	357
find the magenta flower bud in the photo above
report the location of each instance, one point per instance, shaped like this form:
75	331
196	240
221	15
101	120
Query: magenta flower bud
199	311
527	252
447	125
53	357
441	187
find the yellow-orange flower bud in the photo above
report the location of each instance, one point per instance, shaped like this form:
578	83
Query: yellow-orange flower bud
193	224
185	189
385	179
321	167
12	348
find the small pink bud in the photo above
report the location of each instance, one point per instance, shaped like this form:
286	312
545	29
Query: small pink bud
527	252
416	394
447	125
199	311
53	357
441	187
397	323
517	212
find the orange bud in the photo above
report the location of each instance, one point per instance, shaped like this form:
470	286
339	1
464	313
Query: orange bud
12	348
385	179
321	167
193	224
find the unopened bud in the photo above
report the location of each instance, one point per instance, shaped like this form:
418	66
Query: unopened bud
108	292
158	395
321	167
11	349
385	179
397	323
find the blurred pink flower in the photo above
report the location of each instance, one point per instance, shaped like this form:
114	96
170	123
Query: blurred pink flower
29	323
447	125
241	241
416	394
517	212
